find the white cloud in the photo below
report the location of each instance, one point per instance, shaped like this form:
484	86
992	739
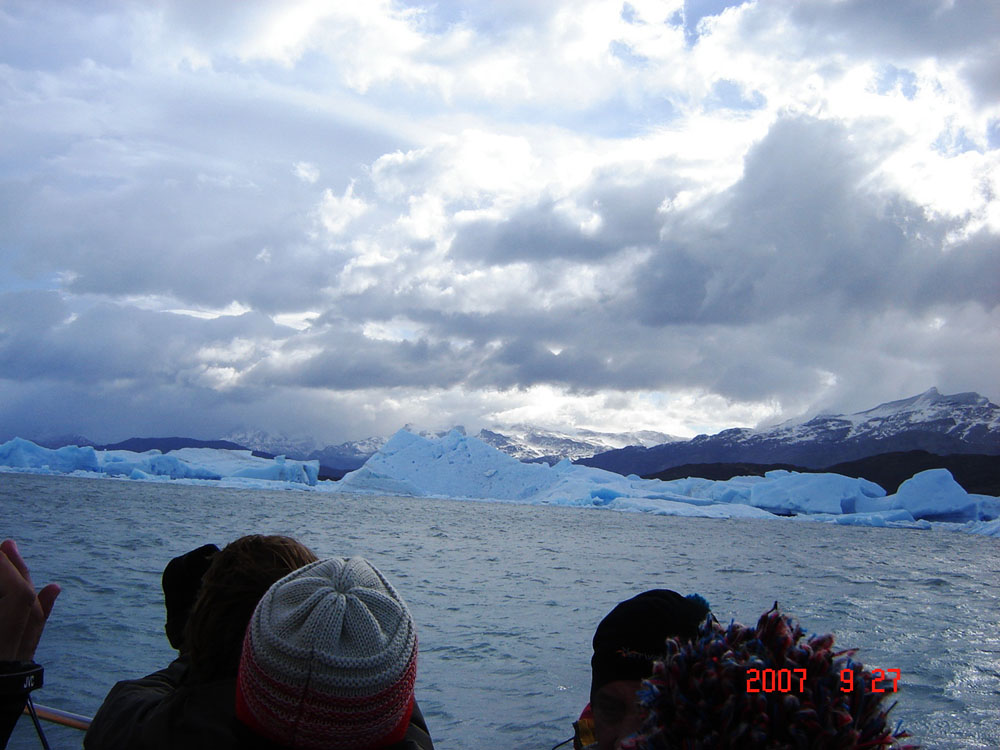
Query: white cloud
335	213
680	413
594	212
307	172
299	321
233	308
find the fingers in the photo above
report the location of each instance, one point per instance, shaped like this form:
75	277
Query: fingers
15	589
47	598
33	630
22	613
17	598
9	548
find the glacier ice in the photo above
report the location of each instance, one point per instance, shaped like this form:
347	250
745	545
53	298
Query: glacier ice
464	467
936	496
191	464
459	466
24	454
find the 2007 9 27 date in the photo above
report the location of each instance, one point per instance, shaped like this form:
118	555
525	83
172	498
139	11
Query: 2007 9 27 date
782	680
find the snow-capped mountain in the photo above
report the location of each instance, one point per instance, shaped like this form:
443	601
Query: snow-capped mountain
347	456
528	443
350	455
959	423
278	445
524	442
964	416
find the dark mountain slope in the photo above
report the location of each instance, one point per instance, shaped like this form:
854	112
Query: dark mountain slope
940	425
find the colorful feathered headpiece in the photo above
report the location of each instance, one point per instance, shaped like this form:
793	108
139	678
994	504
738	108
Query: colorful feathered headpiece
763	687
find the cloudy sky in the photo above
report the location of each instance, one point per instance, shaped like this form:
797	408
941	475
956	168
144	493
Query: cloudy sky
333	218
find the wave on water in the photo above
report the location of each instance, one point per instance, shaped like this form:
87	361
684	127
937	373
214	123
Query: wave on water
506	597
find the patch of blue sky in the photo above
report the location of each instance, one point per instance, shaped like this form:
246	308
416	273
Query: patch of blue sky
438	17
620	119
488	17
955	142
728	94
695	10
993	134
13	281
891	78
688	17
627	55
619	116
655	399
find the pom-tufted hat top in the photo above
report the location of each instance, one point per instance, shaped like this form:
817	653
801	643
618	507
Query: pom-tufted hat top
329	659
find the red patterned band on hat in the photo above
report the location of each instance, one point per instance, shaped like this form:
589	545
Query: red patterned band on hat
329	660
298	716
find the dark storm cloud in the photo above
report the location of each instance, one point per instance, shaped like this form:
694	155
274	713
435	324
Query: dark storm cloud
762	290
968	30
41	339
800	233
531	234
345	360
964	273
559	326
982	71
750	362
521	362
112	411
627	204
919	27
601	354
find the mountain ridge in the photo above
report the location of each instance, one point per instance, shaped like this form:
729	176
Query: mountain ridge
932	422
962	423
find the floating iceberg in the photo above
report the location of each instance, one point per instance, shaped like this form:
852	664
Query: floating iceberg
24	454
458	466
935	495
236	467
790	492
465	467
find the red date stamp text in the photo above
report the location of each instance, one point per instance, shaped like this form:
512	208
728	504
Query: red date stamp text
794	680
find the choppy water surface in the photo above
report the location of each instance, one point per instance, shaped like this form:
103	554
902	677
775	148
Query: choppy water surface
506	597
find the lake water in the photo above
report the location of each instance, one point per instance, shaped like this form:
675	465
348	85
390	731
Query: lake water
506	597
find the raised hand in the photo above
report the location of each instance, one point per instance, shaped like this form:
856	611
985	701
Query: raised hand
23	612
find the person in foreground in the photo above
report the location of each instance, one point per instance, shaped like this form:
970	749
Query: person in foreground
698	696
210	596
330	661
23	614
626	644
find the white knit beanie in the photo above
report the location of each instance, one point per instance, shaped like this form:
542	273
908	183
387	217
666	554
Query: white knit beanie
329	659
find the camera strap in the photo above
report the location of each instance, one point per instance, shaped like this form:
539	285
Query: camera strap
20	677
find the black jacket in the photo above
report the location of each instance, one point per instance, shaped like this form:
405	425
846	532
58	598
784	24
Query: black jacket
11	708
167	710
164	711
